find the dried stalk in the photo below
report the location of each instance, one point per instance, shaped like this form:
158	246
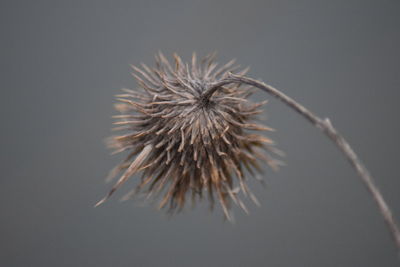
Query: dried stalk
326	127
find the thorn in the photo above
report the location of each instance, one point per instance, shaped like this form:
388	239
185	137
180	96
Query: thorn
328	121
100	202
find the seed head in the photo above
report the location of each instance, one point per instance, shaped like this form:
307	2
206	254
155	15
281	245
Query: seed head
186	142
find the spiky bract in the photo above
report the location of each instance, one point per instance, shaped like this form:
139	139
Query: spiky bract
186	143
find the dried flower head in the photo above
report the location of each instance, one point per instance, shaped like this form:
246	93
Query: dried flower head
184	139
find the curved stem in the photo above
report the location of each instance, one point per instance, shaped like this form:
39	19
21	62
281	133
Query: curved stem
327	128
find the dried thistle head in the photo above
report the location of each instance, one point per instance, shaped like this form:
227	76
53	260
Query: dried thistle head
185	141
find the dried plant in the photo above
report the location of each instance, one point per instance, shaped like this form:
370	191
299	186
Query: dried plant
188	142
190	128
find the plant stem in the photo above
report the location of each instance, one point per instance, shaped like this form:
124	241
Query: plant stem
326	127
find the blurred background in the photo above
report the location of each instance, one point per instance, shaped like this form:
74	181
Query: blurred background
62	63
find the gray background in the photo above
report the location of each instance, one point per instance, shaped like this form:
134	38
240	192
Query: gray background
61	66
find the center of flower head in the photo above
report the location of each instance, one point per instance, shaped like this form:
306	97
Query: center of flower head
204	101
198	87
